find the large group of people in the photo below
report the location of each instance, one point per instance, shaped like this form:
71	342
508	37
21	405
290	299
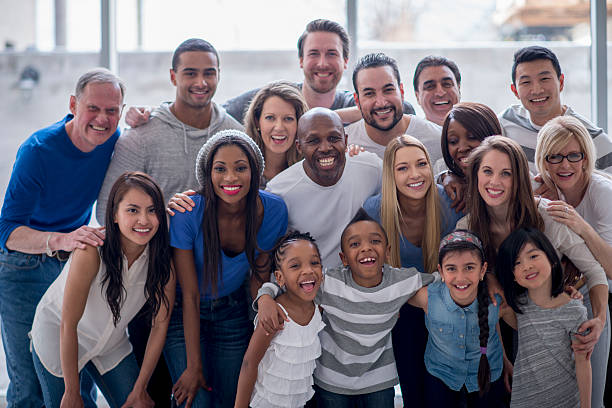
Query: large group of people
463	256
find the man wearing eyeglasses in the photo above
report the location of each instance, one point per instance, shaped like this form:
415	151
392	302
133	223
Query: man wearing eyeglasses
537	82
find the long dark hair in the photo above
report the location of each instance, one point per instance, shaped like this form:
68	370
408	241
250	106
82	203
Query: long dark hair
508	253
213	269
484	369
158	271
522	210
478	120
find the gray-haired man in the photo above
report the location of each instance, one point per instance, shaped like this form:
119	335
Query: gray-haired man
55	180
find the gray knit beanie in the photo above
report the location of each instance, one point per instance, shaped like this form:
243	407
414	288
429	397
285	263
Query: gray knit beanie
220	138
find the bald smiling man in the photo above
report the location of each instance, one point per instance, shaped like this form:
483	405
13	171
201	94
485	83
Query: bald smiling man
324	191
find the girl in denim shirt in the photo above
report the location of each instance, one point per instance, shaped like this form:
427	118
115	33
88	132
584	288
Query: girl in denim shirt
464	355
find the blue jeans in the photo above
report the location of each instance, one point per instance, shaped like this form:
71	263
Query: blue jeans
378	399
115	384
24	279
225	331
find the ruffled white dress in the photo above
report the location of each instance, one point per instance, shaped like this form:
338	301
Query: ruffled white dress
284	375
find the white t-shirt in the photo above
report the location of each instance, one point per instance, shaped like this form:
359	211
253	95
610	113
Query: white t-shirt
594	208
325	211
99	340
427	132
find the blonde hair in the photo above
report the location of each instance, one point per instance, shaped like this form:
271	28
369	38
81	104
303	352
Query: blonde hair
555	135
287	92
390	211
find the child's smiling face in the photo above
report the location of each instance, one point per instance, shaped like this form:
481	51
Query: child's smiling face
365	250
300	270
461	271
532	268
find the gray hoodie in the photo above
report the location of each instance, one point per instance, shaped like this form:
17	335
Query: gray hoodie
165	148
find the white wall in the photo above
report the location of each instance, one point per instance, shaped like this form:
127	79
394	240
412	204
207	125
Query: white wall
485	78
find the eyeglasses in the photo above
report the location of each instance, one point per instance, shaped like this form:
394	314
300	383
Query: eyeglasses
571	157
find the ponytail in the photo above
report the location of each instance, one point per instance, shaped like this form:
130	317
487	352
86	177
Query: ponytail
484	371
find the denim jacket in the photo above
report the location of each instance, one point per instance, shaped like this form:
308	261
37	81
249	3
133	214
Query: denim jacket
453	347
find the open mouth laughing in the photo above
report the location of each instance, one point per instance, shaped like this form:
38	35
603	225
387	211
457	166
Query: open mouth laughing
326	162
367	261
308	285
494	193
98	128
279	139
462	287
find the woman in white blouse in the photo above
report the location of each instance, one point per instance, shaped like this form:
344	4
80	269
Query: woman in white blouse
80	323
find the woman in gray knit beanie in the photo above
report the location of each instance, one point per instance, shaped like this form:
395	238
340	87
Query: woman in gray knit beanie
215	247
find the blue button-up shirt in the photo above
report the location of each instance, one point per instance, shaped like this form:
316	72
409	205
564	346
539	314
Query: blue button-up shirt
453	347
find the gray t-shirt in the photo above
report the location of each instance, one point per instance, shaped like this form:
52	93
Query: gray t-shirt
544	370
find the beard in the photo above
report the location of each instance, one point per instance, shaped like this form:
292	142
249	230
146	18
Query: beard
369	119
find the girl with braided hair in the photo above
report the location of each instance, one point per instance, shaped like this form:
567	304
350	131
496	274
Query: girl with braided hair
464	354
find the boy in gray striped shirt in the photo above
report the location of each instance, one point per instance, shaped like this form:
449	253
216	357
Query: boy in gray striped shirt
360	303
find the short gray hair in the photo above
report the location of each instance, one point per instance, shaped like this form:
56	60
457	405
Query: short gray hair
98	75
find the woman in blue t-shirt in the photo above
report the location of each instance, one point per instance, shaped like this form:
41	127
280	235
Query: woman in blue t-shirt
215	245
415	212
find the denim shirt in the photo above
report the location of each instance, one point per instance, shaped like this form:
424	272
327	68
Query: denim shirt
453	347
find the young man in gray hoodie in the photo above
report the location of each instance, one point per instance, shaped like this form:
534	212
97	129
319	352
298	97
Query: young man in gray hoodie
166	146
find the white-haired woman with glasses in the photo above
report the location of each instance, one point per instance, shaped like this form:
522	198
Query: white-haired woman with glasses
565	157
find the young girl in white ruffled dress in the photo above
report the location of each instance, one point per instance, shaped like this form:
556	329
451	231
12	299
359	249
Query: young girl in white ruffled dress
277	369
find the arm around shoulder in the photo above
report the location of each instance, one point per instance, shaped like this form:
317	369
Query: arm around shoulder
419	299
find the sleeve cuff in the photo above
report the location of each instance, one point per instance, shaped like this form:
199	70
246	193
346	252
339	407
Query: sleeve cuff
267	288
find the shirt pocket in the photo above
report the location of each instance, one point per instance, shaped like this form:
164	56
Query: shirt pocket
442	329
